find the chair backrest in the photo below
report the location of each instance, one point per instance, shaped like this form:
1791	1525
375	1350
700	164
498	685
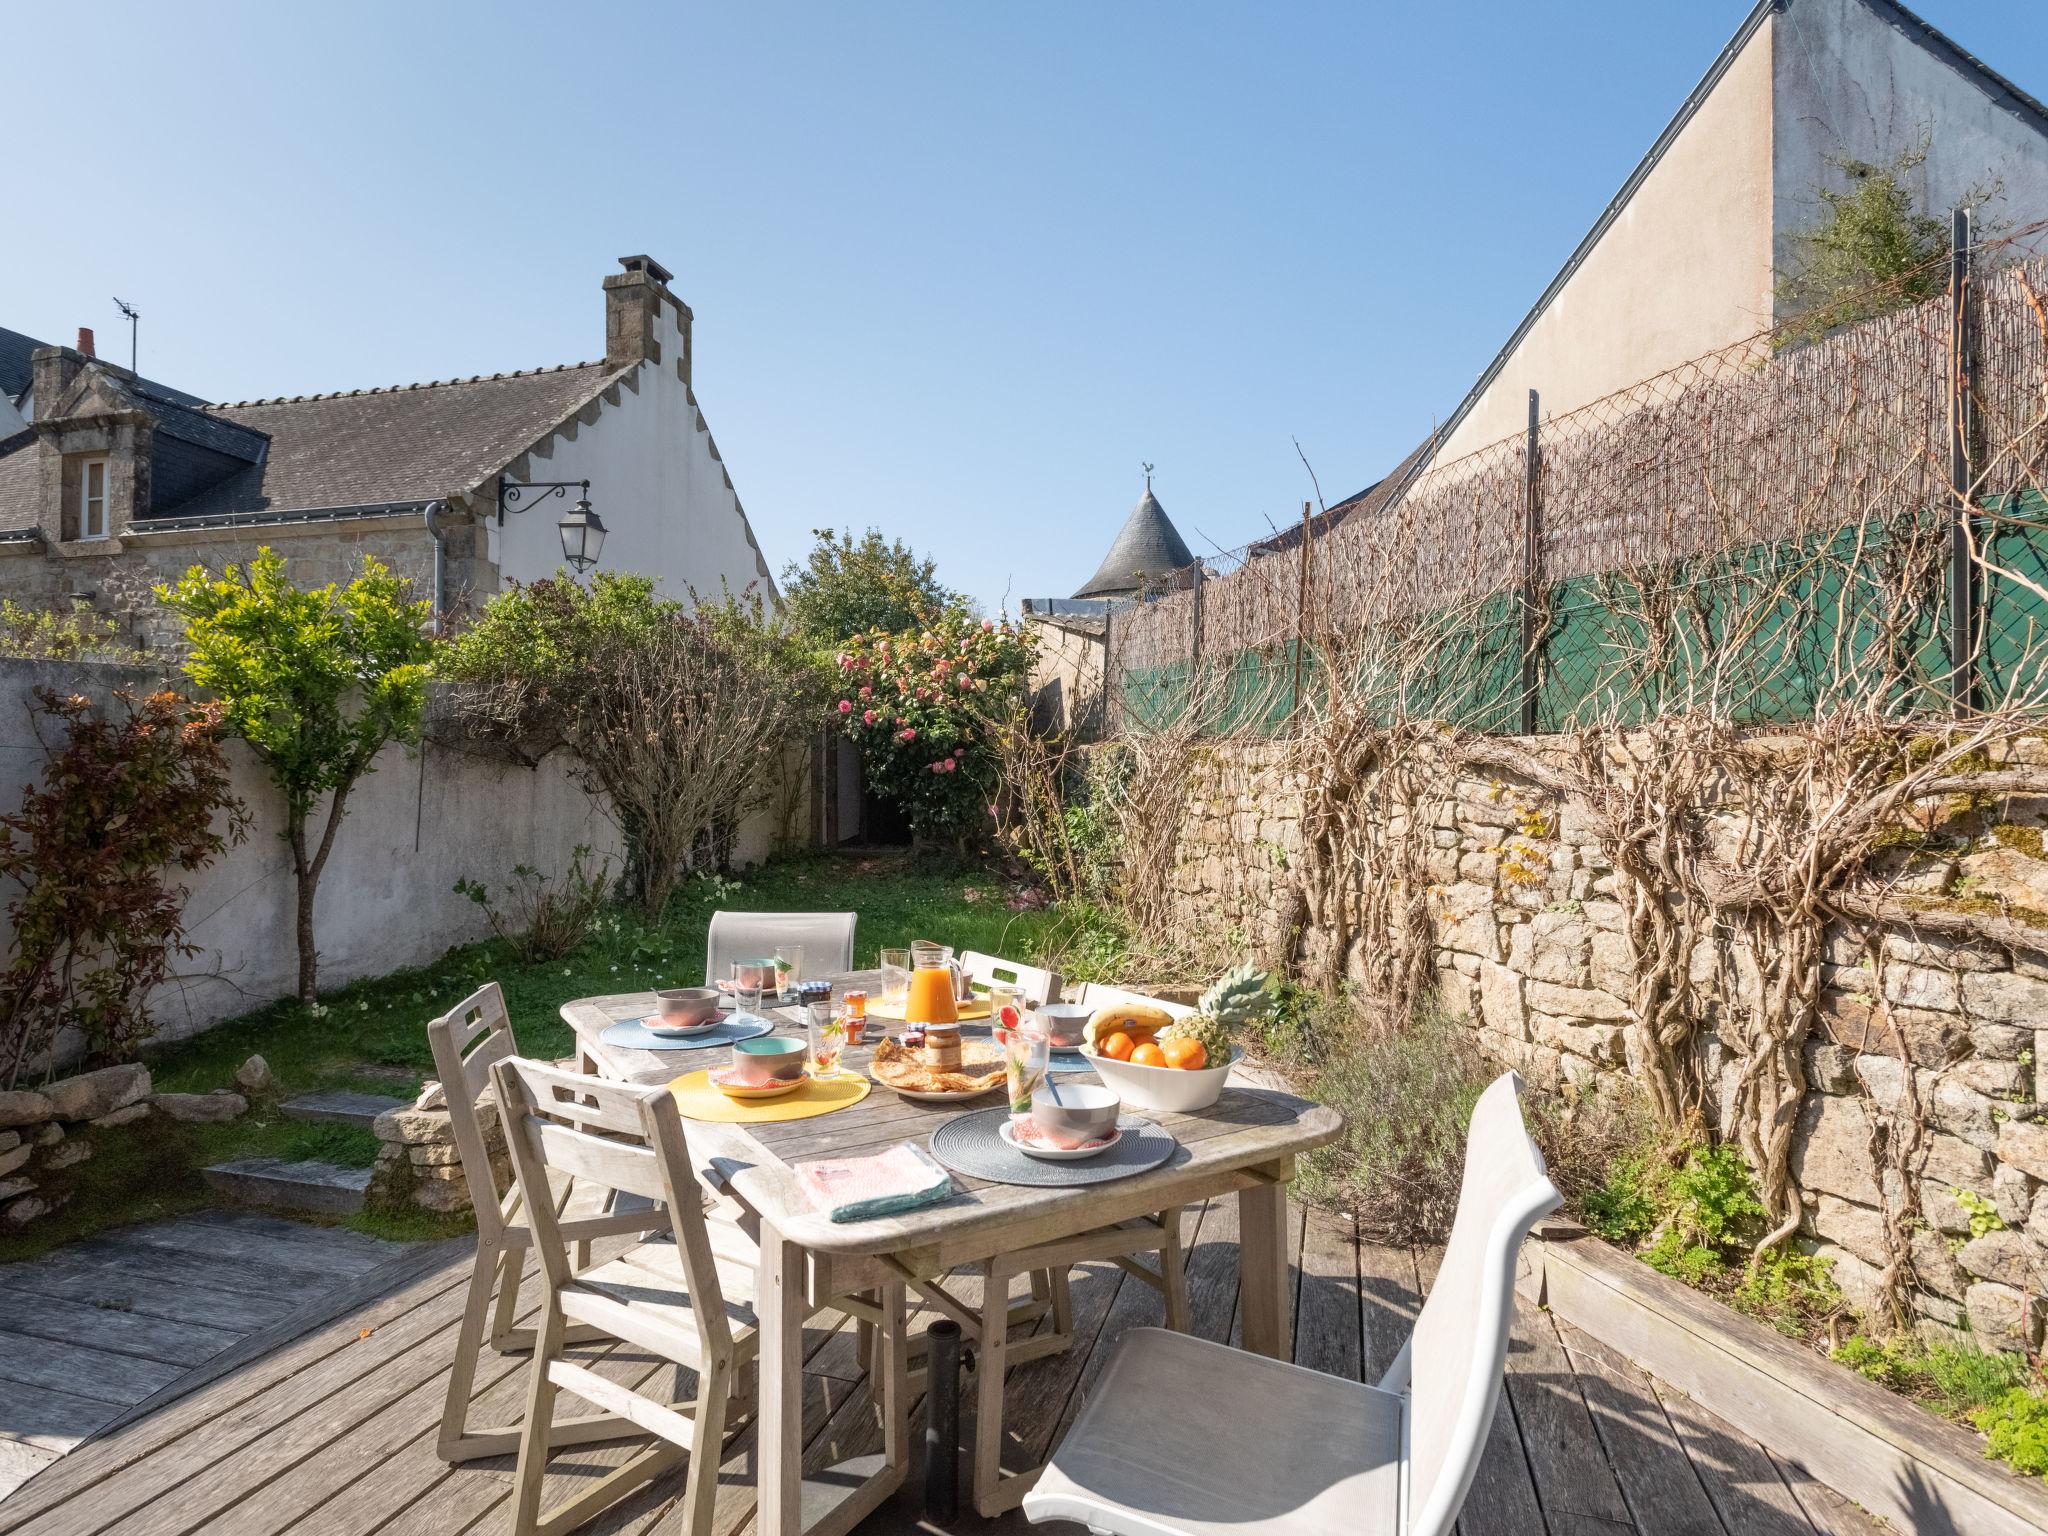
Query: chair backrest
827	938
1458	1352
1095	994
467	1041
615	1136
1036	983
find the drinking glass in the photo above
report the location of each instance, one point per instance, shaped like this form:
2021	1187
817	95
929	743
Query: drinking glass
1025	1054
789	967
896	977
828	1038
746	987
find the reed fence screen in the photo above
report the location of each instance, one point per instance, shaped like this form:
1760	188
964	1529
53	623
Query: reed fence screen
1763	532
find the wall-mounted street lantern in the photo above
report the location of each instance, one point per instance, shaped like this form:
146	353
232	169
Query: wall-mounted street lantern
582	529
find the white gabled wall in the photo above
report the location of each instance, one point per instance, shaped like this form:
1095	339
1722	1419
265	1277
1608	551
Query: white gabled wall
1853	82
1684	269
669	510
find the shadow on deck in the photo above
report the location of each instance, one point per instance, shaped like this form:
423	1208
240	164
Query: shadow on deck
332	1433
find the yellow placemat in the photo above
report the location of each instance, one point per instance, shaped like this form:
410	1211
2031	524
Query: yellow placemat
980	1008
698	1100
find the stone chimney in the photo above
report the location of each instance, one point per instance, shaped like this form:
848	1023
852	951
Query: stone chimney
51	372
85	341
643	321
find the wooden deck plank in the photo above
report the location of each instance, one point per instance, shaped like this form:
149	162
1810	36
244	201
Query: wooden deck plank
1831	1514
1390	1297
1574	1483
63	1278
116	1331
1502	1499
334	1251
137	1442
1327	1320
28	1361
1738	1474
49	1419
1657	1478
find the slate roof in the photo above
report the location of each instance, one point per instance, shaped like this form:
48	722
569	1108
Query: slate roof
407	444
15	372
1147	549
1374	498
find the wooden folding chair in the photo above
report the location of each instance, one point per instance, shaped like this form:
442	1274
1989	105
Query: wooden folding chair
691	1301
480	1027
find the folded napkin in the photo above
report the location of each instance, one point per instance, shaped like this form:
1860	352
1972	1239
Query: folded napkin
902	1178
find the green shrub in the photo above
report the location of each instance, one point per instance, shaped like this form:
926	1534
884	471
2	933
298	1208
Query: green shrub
1966	1378
1406	1093
1624	1206
78	633
1788	1290
1715	1196
1671	1254
2017	1427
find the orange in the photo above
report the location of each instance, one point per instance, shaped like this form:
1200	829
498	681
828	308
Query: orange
1118	1047
1188	1055
1148	1055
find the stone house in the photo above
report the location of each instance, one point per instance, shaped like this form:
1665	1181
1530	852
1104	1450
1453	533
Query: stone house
110	483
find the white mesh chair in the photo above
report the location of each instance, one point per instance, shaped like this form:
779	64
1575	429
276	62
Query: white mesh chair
1036	983
1290	1452
827	938
690	1301
467	1041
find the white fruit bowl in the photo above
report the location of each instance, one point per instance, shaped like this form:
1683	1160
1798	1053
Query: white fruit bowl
1170	1090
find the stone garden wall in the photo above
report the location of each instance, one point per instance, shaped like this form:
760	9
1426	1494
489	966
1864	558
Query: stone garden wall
1531	947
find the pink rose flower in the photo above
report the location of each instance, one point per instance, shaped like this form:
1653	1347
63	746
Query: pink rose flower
867	717
846	706
909	735
866	691
988	624
951	765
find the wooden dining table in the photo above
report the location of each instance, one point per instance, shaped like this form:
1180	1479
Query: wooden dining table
1245	1144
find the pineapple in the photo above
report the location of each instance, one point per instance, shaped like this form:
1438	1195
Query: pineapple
1238	996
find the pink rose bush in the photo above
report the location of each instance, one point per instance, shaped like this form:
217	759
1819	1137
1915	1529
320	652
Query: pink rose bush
928	739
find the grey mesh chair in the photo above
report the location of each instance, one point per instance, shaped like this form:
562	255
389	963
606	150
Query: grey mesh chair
1291	1452
827	938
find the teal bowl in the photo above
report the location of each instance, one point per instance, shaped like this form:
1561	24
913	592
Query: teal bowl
768	1059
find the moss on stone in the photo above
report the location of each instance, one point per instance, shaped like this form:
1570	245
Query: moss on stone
1976	906
2021	839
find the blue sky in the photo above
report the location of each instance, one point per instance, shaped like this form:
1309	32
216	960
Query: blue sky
957	268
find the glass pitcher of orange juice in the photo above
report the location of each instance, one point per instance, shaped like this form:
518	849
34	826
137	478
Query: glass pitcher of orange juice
933	983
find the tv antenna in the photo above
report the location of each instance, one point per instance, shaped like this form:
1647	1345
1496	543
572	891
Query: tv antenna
134	318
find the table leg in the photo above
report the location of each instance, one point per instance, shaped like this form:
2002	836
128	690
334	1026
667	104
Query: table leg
1262	1270
781	1305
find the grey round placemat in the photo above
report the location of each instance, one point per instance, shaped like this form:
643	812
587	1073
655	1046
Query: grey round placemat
635	1035
972	1144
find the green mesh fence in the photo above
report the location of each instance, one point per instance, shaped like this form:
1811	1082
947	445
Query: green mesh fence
1767	634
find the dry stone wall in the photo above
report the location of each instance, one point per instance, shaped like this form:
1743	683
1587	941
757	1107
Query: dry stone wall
1531	946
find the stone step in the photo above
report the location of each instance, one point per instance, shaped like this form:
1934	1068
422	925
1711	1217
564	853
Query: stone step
339	1106
277	1185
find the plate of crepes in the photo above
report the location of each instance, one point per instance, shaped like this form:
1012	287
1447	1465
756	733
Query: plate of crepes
903	1068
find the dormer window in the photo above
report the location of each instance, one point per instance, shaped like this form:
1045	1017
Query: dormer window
92	499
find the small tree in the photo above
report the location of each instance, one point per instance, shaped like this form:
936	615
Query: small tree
1873	250
126	798
848	586
317	681
925	707
677	718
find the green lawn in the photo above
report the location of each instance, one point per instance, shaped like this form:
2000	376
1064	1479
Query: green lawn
152	1169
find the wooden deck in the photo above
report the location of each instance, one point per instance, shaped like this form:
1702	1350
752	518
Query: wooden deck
94	1332
331	1434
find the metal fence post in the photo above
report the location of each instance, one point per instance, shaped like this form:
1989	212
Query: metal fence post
1301	607
1195	628
1962	573
1108	664
1532	490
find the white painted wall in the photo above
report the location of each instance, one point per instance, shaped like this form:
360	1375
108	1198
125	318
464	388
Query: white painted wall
415	827
1684	269
668	506
1851	85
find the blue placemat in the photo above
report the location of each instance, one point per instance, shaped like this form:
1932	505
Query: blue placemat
970	1144
637	1036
